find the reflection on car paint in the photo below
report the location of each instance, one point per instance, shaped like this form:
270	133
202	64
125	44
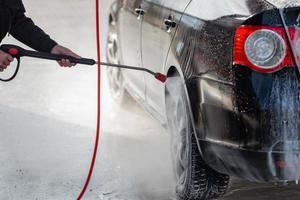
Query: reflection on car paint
246	121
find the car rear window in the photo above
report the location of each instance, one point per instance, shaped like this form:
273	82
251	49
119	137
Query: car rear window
284	3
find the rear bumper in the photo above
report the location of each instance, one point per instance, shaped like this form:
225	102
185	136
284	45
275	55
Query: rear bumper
250	128
258	166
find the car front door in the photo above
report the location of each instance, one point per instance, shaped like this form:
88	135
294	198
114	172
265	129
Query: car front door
159	26
130	23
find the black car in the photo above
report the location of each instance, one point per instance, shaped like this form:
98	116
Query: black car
232	98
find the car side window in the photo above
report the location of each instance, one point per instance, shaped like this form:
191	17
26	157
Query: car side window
178	5
157	2
213	9
154	1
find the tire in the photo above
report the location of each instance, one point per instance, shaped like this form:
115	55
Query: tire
195	180
114	75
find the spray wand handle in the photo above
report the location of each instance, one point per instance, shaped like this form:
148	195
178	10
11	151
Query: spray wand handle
17	52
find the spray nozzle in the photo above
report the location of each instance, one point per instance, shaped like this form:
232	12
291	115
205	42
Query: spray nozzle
161	77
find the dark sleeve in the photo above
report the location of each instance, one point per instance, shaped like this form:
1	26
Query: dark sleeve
24	30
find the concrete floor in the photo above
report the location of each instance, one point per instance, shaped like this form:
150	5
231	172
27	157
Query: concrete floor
48	117
48	120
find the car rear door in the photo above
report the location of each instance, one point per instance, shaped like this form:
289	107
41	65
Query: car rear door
130	22
159	25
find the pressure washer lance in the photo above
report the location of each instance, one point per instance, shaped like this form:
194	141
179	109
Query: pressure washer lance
18	52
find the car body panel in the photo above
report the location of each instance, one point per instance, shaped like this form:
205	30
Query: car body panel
130	42
156	40
203	39
233	114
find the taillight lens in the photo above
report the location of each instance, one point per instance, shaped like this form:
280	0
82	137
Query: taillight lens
262	48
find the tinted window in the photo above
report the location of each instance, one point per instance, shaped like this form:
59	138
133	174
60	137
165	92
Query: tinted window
178	5
285	3
214	9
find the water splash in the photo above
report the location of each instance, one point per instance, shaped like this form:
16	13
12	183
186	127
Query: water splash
283	105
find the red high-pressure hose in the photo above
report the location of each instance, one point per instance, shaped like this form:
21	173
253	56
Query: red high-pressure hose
90	173
18	52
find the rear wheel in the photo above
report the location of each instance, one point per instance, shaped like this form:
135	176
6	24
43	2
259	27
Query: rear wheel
114	74
194	179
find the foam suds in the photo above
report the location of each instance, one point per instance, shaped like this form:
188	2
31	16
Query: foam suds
284	136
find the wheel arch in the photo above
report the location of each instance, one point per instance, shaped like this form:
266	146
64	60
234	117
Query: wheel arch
174	71
113	12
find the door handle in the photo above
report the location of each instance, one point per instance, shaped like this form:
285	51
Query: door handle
170	23
139	12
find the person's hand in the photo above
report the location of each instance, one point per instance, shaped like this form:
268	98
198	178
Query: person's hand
58	49
5	60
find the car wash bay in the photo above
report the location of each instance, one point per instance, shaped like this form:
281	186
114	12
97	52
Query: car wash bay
48	118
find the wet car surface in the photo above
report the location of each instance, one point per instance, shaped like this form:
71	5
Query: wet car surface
127	165
231	101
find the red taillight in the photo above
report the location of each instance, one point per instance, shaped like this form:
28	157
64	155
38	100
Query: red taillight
262	48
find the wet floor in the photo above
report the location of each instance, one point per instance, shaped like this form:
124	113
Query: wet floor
48	118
